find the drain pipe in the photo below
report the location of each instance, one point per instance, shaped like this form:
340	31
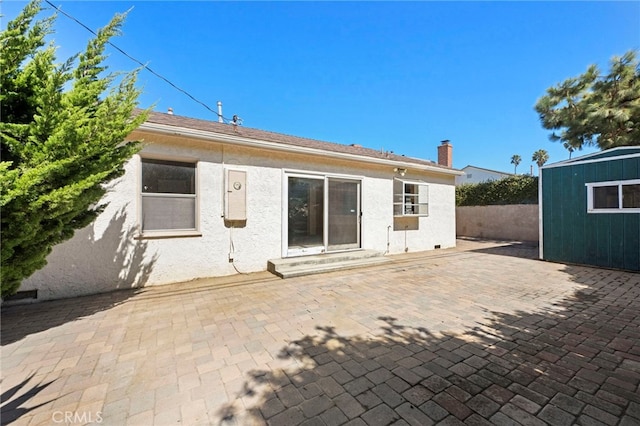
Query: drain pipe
406	247
388	239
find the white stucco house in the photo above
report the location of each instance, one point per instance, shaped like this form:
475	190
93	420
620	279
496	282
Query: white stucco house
207	199
473	174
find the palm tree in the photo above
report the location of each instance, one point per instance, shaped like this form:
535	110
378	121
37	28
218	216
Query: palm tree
540	157
569	148
515	160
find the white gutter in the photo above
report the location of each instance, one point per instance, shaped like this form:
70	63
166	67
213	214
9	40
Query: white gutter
242	141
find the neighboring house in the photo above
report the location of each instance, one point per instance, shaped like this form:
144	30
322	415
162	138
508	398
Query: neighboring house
590	209
473	174
205	199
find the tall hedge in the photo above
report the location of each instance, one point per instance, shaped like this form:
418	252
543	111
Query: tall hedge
521	189
61	139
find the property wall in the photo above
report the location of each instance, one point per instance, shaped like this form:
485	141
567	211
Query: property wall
517	222
110	253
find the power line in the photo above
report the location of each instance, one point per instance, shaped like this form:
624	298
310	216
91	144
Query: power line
138	62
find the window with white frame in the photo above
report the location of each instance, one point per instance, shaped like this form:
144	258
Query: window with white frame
614	197
410	198
169	199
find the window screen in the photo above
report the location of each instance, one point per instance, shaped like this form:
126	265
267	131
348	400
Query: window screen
168	195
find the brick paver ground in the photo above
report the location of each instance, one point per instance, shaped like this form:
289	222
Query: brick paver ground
482	334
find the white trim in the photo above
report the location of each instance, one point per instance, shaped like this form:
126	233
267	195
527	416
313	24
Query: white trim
418	183
596	160
304	173
167	233
284	218
237	140
619	184
540	222
325	178
287	252
358	182
615	182
413	181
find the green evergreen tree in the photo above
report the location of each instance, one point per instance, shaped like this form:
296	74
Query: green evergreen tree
594	109
62	132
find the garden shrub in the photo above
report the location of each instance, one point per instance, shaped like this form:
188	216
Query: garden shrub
522	189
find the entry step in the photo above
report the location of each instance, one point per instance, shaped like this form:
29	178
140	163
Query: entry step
320	263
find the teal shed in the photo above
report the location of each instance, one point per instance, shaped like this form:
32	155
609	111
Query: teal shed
590	209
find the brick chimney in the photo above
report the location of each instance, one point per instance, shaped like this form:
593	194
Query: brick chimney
445	154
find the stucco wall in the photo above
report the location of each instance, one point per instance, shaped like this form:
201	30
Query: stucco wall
513	222
109	254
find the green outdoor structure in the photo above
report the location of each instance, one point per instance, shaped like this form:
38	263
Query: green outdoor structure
590	209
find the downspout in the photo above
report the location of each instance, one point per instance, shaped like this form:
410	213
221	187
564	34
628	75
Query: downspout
406	247
388	240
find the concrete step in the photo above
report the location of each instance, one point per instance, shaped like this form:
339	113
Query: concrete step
307	265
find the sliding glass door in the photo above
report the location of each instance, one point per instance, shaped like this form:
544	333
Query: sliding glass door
344	214
305	215
323	214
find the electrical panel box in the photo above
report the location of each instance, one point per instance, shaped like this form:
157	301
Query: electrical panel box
235	206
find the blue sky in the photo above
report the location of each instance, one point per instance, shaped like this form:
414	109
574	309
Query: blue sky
398	76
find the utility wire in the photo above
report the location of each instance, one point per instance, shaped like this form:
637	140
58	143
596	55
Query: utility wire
138	62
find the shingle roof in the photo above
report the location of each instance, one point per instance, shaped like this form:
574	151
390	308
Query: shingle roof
486	170
279	138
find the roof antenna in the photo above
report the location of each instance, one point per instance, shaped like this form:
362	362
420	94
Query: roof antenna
236	121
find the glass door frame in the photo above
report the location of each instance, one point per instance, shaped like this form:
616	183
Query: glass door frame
356	245
303	251
286	174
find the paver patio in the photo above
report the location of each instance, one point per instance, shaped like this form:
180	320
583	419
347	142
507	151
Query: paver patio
482	334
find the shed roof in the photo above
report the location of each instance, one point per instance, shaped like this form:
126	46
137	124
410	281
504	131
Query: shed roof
607	154
170	123
467	167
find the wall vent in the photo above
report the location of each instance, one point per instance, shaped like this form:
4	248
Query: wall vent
21	295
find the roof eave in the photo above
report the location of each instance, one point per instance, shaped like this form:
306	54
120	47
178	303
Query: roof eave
238	140
586	159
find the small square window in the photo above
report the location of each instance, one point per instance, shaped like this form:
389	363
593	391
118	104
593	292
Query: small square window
410	198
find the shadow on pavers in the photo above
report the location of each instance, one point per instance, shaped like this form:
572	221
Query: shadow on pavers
521	249
20	321
575	363
124	269
12	409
